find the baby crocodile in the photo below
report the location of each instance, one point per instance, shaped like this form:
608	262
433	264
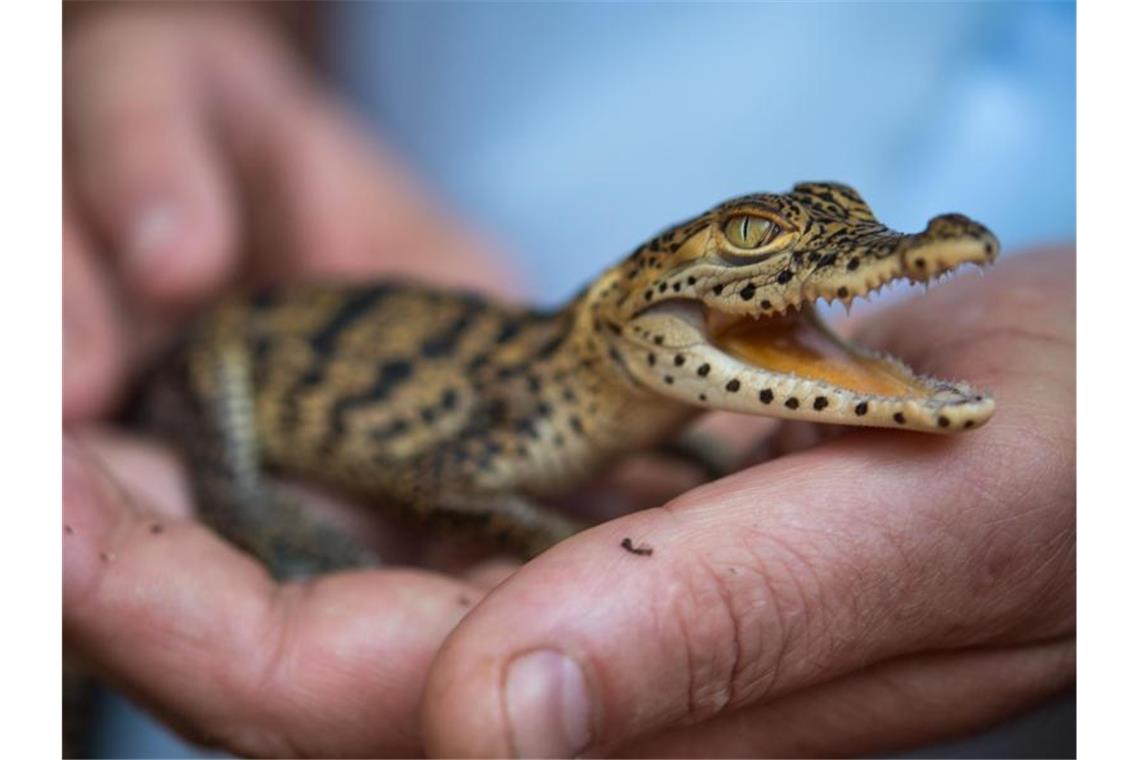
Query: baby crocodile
470	411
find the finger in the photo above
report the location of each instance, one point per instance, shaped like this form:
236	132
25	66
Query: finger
326	199
199	633
797	571
332	203
148	170
92	334
901	704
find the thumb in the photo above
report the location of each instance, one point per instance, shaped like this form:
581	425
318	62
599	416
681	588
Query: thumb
757	586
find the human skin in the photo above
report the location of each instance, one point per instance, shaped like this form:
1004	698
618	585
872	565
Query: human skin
868	591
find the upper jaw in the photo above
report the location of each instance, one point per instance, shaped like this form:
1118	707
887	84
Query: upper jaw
869	261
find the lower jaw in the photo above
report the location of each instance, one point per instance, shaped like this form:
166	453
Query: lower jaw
804	370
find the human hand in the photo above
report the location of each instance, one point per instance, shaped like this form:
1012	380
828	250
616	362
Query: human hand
199	153
194	629
876	591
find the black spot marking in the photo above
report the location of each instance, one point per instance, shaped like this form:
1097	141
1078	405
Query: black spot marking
828	260
899	418
508	330
792	403
989	248
443	343
861	408
842	292
748	291
784	277
968	424
353	308
652	359
389	377
641	551
732	386
576	424
703	370
658	339
677	287
662	287
393	429
943	422
920	263
449	400
717	289
668	379
766	304
853	264
548	348
766	396
649	295
703	397
820	403
692	280
678	360
427	414
527	427
543	409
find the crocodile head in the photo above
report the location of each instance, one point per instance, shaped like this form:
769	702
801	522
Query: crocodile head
719	311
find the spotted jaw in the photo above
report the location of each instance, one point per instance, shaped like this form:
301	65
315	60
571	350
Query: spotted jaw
782	360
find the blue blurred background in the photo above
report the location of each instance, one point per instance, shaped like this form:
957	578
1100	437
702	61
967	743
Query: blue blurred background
573	131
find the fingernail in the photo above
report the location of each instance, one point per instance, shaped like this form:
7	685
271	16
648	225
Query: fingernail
152	235
548	706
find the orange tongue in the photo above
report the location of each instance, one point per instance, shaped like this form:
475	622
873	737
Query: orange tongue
793	345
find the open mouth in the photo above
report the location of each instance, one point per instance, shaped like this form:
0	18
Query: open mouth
802	344
788	362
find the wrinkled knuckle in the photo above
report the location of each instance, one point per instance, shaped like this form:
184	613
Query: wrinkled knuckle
740	617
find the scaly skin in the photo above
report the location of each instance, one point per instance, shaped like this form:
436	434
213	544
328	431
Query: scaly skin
466	411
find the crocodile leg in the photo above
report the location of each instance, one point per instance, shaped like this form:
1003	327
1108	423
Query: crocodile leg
457	486
213	413
514	522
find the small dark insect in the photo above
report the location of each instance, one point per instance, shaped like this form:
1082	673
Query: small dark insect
641	551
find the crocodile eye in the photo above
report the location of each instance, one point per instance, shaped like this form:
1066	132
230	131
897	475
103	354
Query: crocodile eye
748	231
